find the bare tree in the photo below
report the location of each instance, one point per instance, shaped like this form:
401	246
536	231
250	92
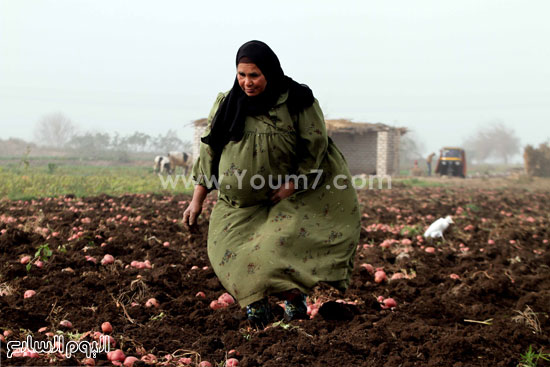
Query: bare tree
411	149
54	130
495	140
170	141
505	142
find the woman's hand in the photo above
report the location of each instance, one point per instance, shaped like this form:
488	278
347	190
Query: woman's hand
282	192
191	214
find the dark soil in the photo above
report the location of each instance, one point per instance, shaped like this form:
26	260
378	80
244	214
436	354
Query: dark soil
434	323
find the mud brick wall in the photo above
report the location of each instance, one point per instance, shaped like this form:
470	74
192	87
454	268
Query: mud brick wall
199	130
359	151
387	152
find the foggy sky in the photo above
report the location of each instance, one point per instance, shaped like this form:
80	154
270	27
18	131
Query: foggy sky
439	68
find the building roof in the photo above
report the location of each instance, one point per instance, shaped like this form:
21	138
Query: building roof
200	122
346	126
343	126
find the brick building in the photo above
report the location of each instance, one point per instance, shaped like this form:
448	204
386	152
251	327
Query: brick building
372	149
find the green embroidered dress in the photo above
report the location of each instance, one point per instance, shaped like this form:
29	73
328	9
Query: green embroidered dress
258	248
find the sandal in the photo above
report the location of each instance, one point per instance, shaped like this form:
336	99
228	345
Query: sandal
296	308
259	313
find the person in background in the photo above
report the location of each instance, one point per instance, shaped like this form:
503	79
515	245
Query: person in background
429	163
264	240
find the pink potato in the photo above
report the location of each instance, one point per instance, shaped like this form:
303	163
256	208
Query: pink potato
368	267
380	276
66	323
129	361
106	327
216	304
116	355
149	358
29	293
205	364
25	259
88	362
107	259
200	295
152	302
430	250
397	276
227	298
388	303
232	362
26	353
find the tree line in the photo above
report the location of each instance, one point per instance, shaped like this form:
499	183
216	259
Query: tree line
57	131
493	141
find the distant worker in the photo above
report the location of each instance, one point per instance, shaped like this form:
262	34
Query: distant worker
416	170
429	163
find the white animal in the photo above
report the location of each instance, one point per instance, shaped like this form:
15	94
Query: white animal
437	228
165	166
162	164
156	166
180	159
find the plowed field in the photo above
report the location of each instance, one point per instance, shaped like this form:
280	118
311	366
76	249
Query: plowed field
493	307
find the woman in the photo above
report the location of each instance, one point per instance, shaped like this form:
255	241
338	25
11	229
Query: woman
269	232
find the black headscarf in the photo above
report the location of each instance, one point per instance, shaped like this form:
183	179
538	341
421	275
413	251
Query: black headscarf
228	123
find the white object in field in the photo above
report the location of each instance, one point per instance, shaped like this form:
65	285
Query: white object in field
156	166
165	166
162	164
437	228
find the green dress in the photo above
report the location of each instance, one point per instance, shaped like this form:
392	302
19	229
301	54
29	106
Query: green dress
258	248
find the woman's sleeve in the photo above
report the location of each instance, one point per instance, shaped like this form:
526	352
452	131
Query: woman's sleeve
203	172
312	139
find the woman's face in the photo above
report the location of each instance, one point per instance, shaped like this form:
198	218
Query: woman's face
251	79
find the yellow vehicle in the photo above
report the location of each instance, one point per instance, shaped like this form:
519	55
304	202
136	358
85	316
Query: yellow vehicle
451	162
